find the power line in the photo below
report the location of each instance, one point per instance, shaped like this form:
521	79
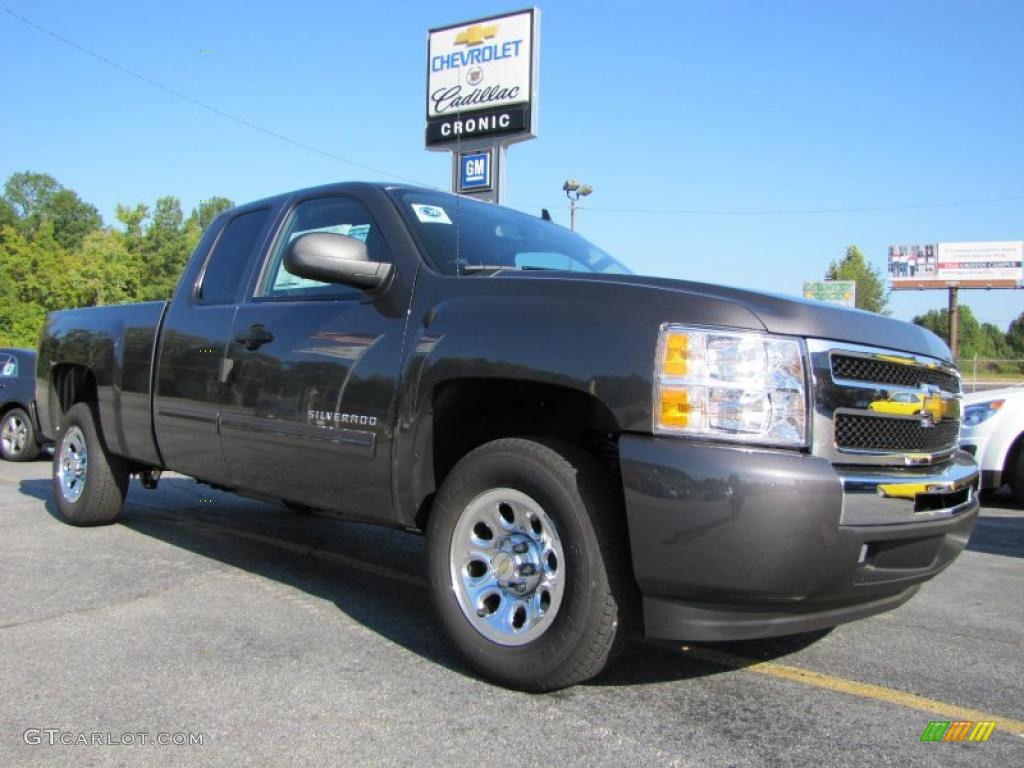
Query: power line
791	211
184	97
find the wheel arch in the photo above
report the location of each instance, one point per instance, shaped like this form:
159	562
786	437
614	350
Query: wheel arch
10	405
1009	462
70	383
463	413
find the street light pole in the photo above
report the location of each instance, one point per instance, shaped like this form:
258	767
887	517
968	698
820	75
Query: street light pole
574	191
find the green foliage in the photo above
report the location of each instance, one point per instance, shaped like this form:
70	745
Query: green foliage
36	277
72	218
36	198
871	292
29	192
8	217
983	341
55	252
1015	337
163	249
208	210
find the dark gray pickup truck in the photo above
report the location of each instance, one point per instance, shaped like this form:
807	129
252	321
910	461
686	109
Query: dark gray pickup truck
590	453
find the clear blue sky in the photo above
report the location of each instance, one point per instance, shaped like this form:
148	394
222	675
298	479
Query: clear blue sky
683	106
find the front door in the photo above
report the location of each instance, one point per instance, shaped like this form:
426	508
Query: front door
313	373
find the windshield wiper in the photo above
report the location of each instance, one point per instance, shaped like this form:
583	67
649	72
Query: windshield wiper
484	267
496	267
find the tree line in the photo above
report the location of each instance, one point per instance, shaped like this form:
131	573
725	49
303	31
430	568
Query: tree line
56	252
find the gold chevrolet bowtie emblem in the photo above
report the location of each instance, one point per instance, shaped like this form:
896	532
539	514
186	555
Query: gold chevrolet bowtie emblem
933	407
476	34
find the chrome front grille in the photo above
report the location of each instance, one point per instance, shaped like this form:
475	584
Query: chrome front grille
882	407
881	433
857	368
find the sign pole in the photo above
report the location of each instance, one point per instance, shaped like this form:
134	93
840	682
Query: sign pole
954	322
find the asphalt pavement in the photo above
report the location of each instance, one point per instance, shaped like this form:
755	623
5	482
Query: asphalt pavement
275	638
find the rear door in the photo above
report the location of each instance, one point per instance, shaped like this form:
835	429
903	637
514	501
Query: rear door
193	347
314	371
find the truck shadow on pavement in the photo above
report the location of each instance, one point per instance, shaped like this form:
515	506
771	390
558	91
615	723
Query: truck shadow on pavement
393	602
998	535
1000	531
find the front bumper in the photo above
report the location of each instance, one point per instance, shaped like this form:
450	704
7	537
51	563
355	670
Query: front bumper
732	543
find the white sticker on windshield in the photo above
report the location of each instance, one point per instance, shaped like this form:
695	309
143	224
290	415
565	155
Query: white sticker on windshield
430	214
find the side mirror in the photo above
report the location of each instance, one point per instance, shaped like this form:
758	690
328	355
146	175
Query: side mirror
332	258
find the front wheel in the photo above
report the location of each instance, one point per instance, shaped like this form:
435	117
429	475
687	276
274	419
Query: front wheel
89	484
529	565
18	436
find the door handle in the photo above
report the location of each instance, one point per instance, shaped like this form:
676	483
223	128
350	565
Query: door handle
255	337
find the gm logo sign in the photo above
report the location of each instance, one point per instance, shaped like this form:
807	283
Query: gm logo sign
475	171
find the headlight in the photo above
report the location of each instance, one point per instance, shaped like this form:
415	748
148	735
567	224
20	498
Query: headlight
748	387
975	413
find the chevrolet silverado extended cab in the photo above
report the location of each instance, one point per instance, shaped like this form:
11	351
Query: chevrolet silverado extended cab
588	452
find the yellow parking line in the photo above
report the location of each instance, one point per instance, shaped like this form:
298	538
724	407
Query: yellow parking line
854	688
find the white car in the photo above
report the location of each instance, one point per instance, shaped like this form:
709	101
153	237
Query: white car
993	431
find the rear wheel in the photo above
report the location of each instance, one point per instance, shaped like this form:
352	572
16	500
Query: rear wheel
528	564
18	436
89	483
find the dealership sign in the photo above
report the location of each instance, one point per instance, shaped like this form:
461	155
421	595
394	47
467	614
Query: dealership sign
481	79
995	264
842	292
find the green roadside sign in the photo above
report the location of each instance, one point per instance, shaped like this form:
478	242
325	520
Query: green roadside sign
833	291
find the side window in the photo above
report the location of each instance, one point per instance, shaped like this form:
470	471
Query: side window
8	366
226	267
339	215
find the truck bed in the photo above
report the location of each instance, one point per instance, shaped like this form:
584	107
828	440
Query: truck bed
118	344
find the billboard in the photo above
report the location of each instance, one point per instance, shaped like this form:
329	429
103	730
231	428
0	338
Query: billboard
940	265
842	292
482	79
981	261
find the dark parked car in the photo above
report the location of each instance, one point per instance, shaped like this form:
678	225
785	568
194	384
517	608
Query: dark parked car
19	433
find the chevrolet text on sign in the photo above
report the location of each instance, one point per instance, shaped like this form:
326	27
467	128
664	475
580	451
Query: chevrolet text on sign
480	78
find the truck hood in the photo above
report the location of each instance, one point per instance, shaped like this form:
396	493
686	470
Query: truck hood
787	314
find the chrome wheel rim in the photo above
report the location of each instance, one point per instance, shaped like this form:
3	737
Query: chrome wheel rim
507	566
73	464
14	435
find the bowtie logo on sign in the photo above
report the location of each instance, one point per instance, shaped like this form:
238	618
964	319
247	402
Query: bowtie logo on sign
476	34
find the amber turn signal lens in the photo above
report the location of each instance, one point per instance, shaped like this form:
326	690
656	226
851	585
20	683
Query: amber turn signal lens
677	354
675	408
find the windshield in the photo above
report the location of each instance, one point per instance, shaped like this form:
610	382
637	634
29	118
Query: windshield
463	236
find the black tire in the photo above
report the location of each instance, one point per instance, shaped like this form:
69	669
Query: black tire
599	601
1016	477
101	493
18	441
